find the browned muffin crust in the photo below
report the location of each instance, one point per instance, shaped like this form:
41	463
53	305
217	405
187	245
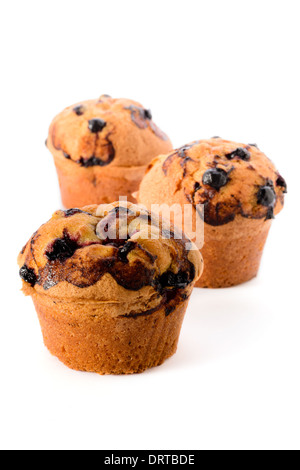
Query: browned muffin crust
101	150
143	119
67	249
101	132
228	178
109	298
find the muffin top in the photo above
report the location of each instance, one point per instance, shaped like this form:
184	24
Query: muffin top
107	131
227	178
106	253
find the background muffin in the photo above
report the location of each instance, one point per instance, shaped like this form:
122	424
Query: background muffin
241	192
101	149
112	306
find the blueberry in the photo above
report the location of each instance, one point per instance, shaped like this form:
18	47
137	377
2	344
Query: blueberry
281	183
170	279
270	213
182	280
125	250
241	153
70	212
147	114
266	196
122	212
62	249
79	110
216	178
28	275
92	161
67	156
96	125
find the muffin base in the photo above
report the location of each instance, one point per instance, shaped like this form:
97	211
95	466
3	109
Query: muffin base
84	339
232	252
81	186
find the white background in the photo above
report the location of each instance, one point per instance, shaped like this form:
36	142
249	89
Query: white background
228	68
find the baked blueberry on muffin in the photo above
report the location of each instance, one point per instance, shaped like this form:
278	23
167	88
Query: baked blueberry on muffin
241	192
110	298
101	149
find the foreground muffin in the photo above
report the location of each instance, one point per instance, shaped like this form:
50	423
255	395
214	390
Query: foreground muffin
101	149
240	190
107	302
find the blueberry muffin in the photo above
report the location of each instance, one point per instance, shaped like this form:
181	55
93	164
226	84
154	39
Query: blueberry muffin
240	192
101	149
110	298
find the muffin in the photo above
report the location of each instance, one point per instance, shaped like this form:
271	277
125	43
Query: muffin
101	149
236	190
110	299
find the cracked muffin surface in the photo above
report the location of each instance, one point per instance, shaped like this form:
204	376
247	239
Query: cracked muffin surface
107	253
109	298
107	131
102	148
228	178
234	188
